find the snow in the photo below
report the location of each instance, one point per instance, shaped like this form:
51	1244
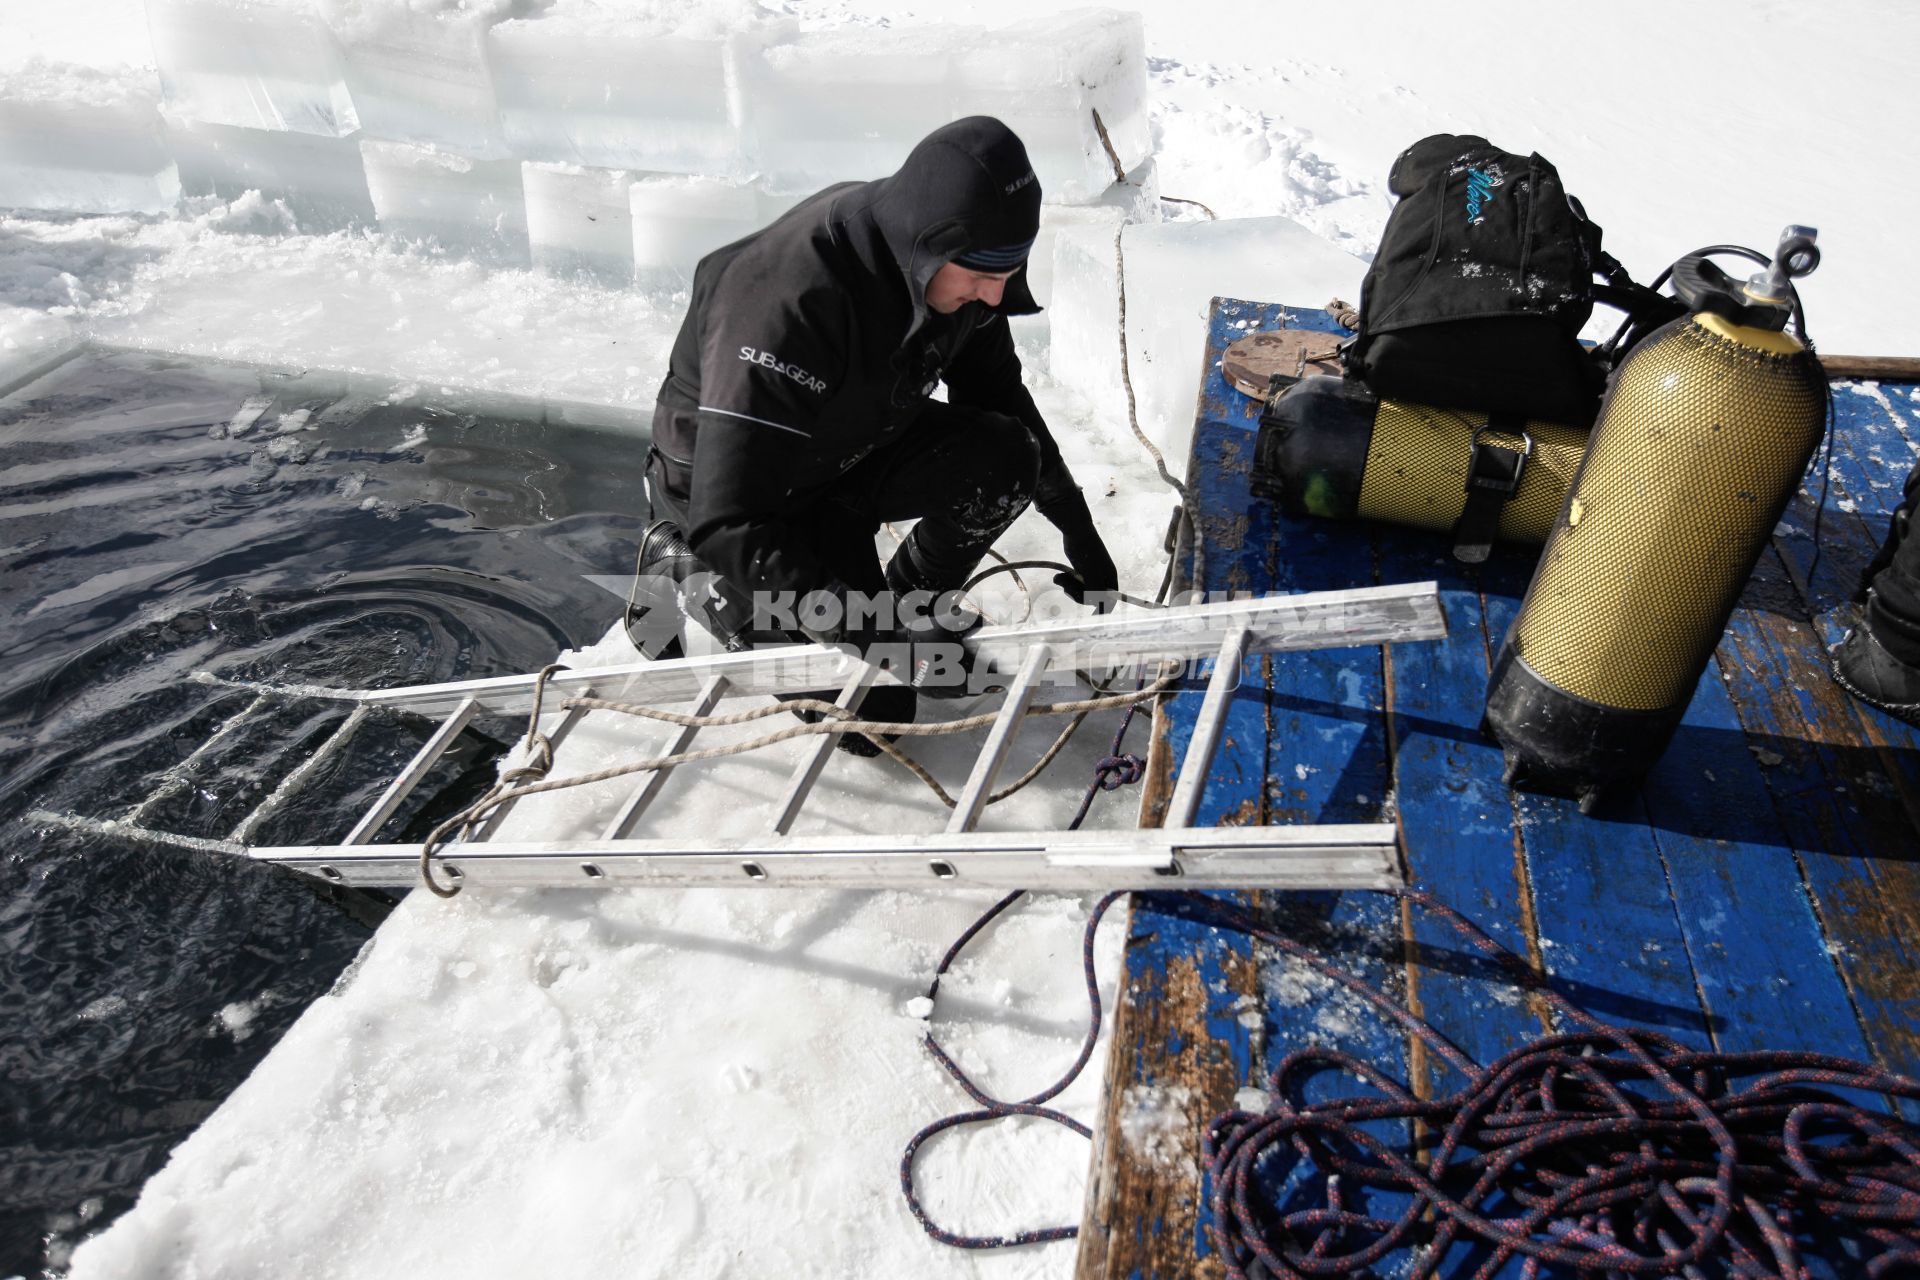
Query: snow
720	1083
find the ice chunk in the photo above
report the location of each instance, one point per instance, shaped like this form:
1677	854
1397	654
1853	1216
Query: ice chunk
420	75
679	220
1135	200
1173	272
31	343
471	206
579	220
1047	78
321	180
83	140
830	105
261	64
619	89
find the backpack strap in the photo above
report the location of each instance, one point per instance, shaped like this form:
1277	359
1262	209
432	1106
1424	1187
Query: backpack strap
1493	476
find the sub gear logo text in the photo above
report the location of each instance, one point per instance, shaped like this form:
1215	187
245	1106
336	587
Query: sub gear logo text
767	360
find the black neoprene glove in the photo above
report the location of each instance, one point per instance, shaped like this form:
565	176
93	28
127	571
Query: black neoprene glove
1093	572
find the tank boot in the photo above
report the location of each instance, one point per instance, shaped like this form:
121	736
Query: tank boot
1863	667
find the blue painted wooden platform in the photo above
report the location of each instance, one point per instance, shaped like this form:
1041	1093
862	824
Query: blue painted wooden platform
1762	890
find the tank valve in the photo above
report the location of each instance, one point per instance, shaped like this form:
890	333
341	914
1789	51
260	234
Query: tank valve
1796	256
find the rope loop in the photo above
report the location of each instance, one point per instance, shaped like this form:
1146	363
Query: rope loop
1115	772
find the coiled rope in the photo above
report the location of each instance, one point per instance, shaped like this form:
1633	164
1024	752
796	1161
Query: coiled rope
1605	1150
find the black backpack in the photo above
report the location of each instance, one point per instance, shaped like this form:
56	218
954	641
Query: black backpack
1484	278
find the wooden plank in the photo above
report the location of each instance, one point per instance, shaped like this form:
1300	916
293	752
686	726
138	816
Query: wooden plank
1456	817
1328	753
1184	1032
1607	929
1840	773
1760	959
1830	793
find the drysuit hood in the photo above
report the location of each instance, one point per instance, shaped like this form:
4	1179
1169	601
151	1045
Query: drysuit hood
966	188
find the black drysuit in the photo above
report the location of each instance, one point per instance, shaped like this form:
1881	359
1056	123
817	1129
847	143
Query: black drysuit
797	411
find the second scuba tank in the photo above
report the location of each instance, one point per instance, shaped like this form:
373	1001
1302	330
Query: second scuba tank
1705	431
1329	447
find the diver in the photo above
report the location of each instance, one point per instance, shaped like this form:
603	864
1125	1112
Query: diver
798	411
1878	661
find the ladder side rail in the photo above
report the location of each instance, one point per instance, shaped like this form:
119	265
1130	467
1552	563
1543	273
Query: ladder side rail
1208	727
993	752
643	795
410	777
1322	619
1360	855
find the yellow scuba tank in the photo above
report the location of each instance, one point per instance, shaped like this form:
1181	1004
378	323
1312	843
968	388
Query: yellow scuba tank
1703	436
1329	447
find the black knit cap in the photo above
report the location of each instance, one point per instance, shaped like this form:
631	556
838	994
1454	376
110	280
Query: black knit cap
966	194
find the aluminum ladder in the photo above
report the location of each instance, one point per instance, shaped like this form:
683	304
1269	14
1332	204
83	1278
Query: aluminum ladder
1358	855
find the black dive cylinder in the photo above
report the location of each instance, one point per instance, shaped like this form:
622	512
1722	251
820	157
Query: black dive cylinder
1329	447
1705	431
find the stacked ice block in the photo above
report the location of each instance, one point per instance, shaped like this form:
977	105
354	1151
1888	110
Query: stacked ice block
83	141
578	220
420	74
468	206
617	89
259	64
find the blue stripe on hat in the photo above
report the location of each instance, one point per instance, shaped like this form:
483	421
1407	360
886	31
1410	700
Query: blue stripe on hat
1004	259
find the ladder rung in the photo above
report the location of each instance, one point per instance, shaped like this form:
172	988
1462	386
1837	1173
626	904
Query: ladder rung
417	768
643	795
808	771
180	774
993	752
298	778
1207	729
559	735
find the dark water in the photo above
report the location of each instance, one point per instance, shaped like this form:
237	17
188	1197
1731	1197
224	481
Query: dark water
334	539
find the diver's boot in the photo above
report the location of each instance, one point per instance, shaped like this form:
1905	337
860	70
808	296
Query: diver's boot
937	628
656	618
1864	668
